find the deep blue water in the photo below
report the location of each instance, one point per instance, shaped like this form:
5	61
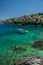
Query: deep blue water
9	29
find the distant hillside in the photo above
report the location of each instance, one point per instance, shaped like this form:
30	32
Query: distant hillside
0	21
36	19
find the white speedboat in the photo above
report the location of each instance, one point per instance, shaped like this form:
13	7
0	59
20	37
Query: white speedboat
22	31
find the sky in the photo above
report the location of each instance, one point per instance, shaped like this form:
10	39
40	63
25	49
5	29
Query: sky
16	8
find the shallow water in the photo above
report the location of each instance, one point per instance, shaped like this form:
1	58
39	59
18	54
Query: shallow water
9	37
9	33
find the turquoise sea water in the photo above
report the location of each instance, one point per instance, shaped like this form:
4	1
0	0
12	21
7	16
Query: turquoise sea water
9	37
9	33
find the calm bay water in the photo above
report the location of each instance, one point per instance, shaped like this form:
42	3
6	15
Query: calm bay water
9	35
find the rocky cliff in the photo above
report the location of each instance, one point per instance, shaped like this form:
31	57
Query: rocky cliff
36	19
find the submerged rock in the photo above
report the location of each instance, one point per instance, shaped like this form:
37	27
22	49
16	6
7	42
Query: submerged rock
19	49
38	44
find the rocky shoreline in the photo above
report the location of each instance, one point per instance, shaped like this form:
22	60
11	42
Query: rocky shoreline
29	61
34	19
